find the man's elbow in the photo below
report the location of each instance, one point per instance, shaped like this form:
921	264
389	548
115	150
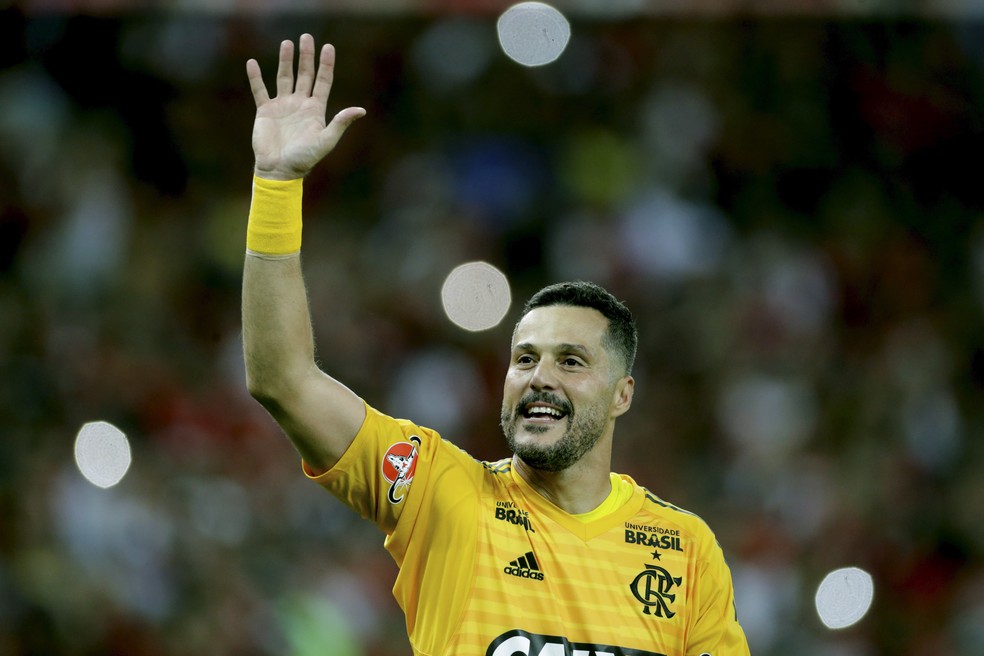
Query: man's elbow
273	389
266	390
260	392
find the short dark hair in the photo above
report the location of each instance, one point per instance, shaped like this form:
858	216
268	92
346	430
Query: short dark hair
621	337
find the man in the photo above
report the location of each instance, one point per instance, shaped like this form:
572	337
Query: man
544	553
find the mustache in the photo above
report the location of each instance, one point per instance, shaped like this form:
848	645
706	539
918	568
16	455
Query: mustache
544	397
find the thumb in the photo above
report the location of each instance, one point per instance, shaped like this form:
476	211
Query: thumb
338	125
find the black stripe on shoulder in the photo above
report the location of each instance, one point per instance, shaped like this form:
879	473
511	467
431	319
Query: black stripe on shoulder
499	466
659	502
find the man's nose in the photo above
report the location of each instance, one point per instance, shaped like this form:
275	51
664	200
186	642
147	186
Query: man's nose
544	376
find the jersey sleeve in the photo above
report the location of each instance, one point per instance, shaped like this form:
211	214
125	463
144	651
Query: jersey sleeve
423	492
715	628
381	472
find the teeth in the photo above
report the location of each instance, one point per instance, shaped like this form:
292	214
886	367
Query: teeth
541	410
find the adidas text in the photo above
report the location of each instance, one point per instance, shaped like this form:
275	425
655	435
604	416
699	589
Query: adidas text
523	573
525	567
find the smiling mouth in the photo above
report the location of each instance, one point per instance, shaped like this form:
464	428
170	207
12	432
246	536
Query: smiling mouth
542	413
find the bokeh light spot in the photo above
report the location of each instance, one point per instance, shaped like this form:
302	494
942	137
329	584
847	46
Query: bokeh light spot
844	596
476	296
102	453
533	33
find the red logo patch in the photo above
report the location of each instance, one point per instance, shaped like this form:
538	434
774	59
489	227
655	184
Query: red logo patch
398	466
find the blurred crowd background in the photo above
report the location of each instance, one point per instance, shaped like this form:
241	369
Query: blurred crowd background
792	207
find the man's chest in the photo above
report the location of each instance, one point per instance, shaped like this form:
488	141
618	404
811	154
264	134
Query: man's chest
537	583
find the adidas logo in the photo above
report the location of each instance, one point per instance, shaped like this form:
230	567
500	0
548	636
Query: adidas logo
525	567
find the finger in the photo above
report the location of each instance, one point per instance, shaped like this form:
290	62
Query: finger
326	73
285	69
256	85
338	125
305	65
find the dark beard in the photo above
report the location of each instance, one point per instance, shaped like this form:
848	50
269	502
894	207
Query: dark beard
583	431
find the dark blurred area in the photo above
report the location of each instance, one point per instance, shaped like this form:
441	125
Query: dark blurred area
792	207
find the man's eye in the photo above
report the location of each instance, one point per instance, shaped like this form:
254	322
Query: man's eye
524	359
572	362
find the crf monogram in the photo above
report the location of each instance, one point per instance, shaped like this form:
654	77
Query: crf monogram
652	587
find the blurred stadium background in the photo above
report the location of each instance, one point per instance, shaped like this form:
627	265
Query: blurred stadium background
788	195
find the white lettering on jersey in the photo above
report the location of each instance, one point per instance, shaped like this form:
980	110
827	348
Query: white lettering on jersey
521	642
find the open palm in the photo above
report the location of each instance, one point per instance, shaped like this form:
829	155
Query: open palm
290	135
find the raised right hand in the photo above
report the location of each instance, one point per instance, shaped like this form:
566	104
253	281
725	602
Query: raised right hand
289	132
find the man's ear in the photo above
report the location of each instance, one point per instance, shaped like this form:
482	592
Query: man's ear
622	398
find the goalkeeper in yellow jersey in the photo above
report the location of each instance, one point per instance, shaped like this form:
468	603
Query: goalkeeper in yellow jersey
546	553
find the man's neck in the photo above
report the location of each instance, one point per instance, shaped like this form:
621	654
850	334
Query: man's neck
580	488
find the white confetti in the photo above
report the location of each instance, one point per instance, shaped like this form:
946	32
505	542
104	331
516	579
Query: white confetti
533	33
844	596
476	296
102	453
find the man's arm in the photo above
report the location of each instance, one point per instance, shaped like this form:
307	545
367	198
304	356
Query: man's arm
320	415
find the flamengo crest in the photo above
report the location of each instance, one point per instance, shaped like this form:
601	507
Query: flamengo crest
652	586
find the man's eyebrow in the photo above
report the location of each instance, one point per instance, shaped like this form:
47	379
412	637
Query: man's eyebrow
563	347
576	349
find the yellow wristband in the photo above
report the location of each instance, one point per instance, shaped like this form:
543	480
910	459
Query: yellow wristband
274	226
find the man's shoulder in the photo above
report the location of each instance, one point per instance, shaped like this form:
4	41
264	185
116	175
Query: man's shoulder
662	512
497	470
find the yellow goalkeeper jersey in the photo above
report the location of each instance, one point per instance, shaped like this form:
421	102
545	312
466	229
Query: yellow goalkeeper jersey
489	567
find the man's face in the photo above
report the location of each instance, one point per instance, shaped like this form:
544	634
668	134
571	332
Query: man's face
559	396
